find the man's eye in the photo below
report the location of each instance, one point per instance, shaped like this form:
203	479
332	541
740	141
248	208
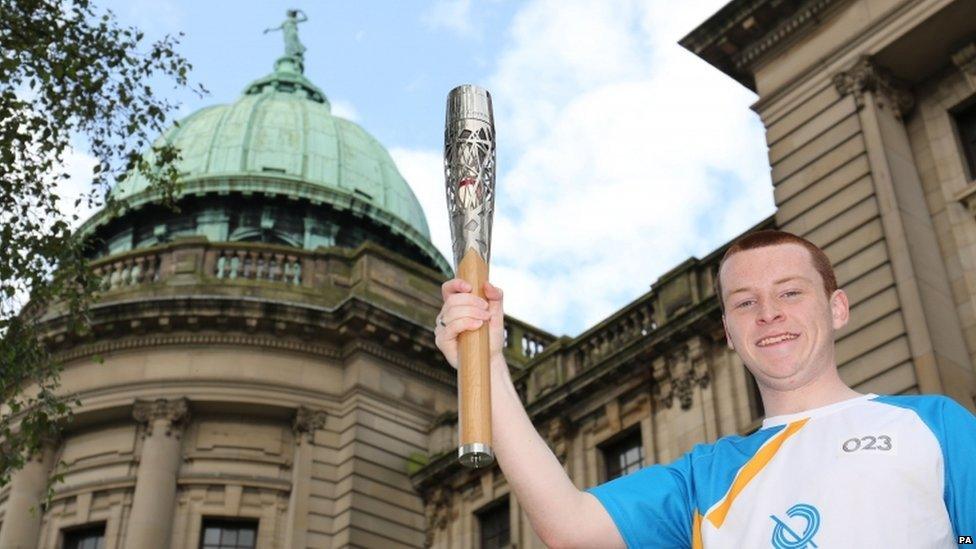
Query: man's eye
743	304
791	293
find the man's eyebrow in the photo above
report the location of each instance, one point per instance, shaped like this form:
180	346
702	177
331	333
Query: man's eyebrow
791	278
780	281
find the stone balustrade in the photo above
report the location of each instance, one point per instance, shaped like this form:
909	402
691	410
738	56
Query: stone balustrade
257	264
673	299
128	270
329	272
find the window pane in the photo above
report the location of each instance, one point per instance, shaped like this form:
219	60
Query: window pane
229	537
212	535
91	537
494	526
624	456
228	534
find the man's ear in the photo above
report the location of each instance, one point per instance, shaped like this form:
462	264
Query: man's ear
728	338
840	309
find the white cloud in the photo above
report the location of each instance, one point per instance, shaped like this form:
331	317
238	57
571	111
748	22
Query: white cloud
454	15
344	109
626	154
424	171
78	166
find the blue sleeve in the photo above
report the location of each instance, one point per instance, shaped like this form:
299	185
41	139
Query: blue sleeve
651	507
958	440
955	429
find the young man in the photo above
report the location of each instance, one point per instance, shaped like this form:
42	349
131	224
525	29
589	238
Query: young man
829	468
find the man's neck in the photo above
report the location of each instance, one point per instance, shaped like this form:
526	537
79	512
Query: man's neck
825	390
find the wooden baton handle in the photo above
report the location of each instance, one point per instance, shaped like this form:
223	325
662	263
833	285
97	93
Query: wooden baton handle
474	373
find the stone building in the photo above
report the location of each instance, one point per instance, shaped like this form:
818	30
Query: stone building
262	366
870	115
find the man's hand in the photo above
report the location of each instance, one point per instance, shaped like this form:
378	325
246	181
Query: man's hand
463	311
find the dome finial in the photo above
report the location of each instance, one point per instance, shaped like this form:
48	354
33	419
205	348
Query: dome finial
294	58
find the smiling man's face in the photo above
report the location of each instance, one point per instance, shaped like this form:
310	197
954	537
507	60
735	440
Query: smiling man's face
777	316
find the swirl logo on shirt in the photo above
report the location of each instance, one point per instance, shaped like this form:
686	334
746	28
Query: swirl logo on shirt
789	535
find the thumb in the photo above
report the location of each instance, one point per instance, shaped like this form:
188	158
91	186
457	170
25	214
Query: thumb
493	293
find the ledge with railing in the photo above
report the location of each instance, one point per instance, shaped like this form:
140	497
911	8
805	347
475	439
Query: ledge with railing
677	302
370	269
221	260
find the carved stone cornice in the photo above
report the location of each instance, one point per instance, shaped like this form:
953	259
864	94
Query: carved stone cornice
965	60
744	31
175	412
866	76
306	422
353	327
192	339
807	16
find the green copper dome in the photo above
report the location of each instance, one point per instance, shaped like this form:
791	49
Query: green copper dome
281	139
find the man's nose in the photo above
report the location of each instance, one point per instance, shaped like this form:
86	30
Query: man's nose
769	311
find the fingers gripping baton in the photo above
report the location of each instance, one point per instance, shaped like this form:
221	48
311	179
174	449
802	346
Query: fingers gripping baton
469	173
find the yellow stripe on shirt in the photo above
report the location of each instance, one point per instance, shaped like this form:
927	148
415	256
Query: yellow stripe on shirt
696	537
751	469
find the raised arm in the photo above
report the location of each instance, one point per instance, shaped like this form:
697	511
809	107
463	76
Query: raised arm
562	515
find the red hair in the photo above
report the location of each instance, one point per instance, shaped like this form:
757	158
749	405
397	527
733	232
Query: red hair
770	237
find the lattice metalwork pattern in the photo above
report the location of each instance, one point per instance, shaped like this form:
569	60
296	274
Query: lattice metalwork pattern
469	170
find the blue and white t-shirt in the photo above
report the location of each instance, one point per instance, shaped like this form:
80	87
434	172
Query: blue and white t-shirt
872	471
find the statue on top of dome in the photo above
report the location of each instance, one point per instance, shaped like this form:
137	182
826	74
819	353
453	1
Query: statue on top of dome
289	28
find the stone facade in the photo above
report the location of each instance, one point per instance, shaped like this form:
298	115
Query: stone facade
294	402
301	389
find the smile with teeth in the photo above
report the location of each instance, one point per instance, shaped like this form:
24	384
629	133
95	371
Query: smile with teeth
773	340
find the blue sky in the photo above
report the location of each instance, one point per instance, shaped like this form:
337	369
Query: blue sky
620	153
392	62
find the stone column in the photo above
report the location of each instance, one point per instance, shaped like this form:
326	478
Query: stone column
928	308
153	505
22	522
306	422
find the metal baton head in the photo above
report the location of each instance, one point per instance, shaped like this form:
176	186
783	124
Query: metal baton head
469	169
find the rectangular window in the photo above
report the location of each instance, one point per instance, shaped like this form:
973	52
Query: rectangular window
228	534
86	537
624	455
494	525
966	125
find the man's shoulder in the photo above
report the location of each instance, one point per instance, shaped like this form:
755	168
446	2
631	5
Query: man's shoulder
939	412
738	446
924	405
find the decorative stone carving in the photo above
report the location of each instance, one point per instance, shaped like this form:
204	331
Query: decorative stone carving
679	373
663	390
965	60
868	77
307	421
557	433
681	378
438	510
175	412
700	372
